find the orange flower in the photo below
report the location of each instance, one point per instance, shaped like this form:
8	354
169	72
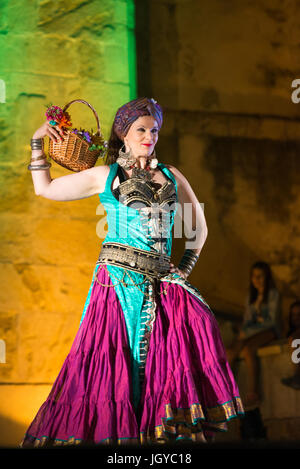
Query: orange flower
65	121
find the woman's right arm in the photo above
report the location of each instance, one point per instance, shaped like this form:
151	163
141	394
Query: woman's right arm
76	186
71	187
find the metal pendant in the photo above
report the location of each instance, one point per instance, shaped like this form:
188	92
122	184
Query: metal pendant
125	162
141	173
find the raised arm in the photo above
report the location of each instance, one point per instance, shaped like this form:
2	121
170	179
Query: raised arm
74	186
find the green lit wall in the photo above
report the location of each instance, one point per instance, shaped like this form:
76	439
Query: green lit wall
50	52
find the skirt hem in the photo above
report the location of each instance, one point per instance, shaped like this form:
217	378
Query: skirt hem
181	424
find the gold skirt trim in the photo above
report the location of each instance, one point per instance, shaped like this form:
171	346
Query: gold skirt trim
190	423
179	424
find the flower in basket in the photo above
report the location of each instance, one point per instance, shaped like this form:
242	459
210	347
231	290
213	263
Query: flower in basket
87	137
65	121
54	113
96	141
82	134
57	115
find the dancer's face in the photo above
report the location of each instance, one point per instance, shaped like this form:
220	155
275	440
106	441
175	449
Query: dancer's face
258	279
142	136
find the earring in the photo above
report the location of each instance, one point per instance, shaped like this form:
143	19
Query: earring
125	159
153	161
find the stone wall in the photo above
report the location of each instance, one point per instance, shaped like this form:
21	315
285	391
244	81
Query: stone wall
222	72
50	52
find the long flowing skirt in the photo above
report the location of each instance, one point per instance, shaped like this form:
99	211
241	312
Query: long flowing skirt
188	390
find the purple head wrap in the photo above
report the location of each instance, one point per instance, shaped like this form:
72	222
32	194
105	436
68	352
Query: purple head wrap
131	111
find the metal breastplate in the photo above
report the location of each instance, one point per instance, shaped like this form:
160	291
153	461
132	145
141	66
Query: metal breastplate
154	205
138	192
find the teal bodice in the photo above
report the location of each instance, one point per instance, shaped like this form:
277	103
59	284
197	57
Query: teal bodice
132	219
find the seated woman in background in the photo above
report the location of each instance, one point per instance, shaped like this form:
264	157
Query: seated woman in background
261	325
294	333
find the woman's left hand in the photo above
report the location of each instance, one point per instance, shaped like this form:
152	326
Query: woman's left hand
177	271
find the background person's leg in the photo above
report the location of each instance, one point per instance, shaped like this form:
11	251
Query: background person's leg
249	351
234	350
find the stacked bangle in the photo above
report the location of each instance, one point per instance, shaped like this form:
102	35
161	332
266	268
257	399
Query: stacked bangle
188	261
33	167
38	144
37	158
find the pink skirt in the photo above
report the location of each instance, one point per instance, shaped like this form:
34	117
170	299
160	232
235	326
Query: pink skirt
188	391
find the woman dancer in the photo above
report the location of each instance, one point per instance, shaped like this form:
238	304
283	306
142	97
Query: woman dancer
148	363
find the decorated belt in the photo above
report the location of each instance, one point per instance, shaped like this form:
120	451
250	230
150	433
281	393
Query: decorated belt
151	263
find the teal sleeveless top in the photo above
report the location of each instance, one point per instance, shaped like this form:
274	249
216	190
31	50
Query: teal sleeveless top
130	226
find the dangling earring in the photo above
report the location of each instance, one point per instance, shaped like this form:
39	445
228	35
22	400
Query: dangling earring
153	161
125	159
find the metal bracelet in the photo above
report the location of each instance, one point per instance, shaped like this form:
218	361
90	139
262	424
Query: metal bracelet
188	261
37	143
37	140
37	158
38	166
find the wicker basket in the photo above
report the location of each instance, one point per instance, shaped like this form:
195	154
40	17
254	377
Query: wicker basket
73	152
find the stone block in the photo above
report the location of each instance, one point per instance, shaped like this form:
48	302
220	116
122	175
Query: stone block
41	356
9	334
18	407
278	400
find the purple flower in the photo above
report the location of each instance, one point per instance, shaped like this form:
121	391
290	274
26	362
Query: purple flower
87	136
